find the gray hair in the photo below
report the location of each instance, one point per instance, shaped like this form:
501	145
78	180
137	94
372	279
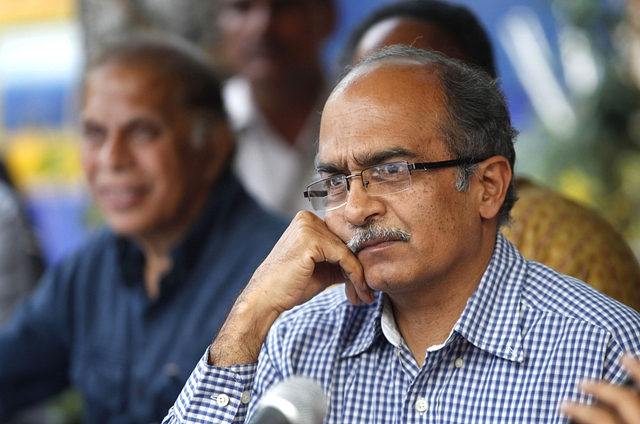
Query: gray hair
477	123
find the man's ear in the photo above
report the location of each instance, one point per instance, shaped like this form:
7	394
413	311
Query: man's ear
494	175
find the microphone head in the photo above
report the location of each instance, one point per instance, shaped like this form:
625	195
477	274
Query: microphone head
300	399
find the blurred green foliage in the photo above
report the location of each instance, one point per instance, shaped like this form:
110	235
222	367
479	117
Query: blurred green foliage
599	163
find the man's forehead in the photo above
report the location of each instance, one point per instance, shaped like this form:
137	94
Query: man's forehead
140	78
384	112
405	85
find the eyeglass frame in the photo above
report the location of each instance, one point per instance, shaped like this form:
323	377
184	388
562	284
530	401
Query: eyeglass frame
410	167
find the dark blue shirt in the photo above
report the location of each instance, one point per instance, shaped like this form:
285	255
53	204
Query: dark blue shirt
92	325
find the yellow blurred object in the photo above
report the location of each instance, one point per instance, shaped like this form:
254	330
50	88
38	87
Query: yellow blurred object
15	11
578	186
43	159
574	240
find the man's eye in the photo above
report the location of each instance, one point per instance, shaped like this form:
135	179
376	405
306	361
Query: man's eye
386	172
335	182
92	134
334	186
144	133
391	168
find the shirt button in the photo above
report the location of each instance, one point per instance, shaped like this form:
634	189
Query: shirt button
246	397
223	400
421	405
459	363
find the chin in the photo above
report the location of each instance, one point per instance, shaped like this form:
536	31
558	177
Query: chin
126	226
381	278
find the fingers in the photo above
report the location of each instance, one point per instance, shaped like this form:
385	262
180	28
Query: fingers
633	368
589	414
623	400
616	404
307	259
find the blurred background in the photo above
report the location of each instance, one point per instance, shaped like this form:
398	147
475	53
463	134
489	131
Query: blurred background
570	69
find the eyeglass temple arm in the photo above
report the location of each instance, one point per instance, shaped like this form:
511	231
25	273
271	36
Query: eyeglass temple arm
446	163
315	193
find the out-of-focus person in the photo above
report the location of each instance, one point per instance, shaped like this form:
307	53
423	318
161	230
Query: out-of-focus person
273	50
21	263
125	318
21	266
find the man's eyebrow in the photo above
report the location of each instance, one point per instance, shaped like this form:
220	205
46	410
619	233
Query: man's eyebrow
368	159
375	158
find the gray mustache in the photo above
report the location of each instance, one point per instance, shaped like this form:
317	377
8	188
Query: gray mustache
374	232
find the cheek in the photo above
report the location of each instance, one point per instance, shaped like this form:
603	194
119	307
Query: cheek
429	214
337	225
88	161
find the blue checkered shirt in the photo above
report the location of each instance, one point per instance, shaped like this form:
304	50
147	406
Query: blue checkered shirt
527	336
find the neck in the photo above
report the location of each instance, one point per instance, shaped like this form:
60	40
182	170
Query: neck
426	318
157	248
287	105
424	325
157	263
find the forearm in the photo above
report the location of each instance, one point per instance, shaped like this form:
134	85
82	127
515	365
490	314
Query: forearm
306	260
243	333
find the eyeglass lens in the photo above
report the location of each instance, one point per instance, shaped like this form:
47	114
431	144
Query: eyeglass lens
332	192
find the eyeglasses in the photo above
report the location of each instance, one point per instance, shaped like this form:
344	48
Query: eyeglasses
379	180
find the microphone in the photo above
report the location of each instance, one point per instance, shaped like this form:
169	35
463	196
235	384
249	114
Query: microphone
298	400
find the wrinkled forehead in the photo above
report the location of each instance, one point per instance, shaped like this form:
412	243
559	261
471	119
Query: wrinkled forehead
393	105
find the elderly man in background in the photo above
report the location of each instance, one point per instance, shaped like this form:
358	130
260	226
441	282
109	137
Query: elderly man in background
126	317
273	49
416	157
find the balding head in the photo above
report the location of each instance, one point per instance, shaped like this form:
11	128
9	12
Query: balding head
476	122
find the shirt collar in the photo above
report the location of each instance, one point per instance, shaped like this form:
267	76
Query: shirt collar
371	329
244	115
491	319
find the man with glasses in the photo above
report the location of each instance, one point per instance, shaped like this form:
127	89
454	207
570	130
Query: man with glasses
441	318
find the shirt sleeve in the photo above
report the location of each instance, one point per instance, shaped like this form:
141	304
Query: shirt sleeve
214	394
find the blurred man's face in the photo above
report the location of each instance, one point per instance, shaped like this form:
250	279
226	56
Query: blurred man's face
142	168
272	40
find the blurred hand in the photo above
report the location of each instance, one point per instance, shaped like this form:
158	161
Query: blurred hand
616	404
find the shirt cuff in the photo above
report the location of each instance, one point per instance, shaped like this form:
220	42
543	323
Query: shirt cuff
215	393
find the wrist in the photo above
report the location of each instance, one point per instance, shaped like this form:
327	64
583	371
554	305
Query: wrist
241	337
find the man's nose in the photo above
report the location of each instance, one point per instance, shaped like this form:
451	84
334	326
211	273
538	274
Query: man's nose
361	206
116	152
